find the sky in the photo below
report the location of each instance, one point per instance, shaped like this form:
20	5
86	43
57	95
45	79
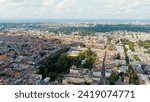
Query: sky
74	9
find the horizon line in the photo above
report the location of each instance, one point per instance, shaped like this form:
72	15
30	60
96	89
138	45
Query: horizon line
49	20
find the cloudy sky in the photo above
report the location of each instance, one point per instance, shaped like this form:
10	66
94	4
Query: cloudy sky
72	9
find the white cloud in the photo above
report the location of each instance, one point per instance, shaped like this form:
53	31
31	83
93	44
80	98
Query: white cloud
49	2
65	4
75	8
3	2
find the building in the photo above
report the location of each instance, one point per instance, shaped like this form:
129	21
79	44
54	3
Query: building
144	79
123	69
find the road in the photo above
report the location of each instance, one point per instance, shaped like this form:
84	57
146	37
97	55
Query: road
103	78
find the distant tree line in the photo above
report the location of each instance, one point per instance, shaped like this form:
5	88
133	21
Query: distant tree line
81	30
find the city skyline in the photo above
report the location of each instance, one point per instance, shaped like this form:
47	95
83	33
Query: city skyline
75	9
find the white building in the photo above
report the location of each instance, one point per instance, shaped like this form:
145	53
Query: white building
123	69
47	79
145	79
108	72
